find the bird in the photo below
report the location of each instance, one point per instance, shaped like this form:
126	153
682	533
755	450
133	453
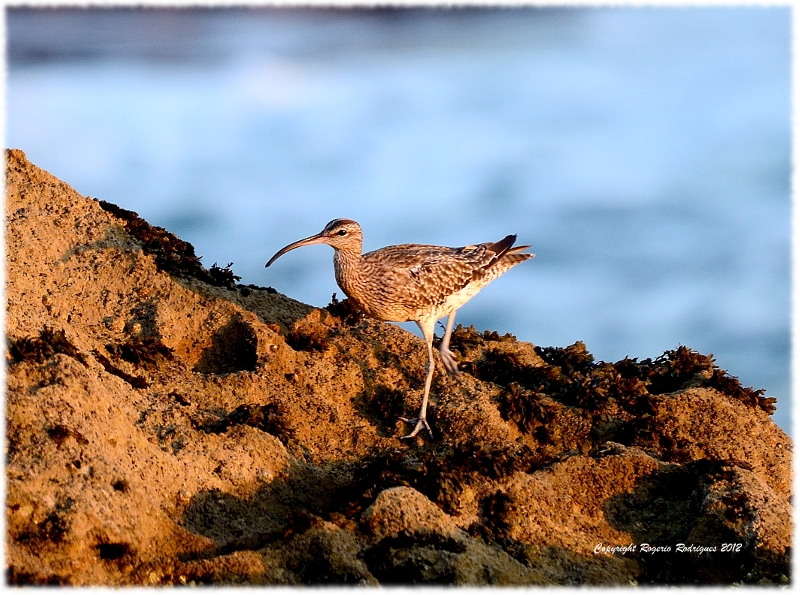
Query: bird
413	282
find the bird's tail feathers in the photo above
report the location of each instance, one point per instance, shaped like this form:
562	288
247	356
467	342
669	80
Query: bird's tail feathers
503	246
506	247
514	257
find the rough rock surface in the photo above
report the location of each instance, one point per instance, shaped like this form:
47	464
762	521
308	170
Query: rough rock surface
166	425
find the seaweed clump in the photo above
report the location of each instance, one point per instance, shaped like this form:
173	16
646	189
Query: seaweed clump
148	352
269	418
441	473
223	276
246	290
134	381
386	403
308	340
464	338
172	255
315	337
40	349
571	377
345	310
493	526
730	385
676	369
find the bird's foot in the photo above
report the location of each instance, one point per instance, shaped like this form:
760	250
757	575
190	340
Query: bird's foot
449	362
420	422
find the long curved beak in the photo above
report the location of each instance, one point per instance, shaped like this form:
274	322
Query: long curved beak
315	239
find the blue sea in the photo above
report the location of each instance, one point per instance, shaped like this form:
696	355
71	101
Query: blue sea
643	153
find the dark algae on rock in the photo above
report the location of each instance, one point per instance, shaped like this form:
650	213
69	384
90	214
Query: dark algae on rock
167	426
43	347
620	393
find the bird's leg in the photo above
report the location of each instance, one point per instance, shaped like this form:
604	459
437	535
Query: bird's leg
450	364
420	421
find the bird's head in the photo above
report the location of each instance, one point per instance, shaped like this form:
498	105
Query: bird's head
342	234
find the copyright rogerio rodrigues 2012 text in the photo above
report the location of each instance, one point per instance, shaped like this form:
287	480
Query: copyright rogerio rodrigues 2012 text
678	548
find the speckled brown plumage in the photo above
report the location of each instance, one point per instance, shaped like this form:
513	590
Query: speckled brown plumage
413	282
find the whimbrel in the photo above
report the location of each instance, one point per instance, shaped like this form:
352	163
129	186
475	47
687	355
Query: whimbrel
413	282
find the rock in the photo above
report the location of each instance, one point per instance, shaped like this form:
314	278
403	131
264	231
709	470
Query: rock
404	509
415	542
168	426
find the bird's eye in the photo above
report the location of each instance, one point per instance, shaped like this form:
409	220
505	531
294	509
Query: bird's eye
342	232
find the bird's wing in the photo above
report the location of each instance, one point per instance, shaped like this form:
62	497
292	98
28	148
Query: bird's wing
421	275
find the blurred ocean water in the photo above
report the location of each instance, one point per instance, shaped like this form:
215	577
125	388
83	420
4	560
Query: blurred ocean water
644	153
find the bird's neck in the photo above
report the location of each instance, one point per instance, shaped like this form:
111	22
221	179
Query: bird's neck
347	264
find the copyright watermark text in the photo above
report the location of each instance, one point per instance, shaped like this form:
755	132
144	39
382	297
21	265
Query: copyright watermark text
678	548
